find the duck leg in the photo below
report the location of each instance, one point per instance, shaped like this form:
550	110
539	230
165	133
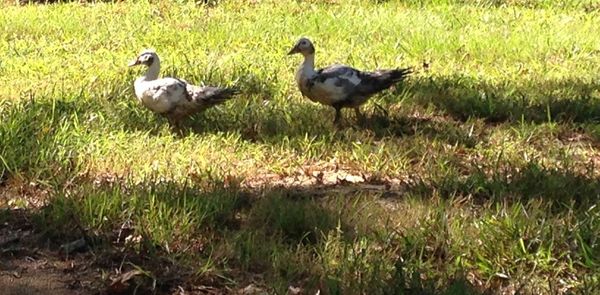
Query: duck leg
338	115
359	116
174	123
171	120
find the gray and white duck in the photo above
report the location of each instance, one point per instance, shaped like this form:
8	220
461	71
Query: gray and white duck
172	97
341	86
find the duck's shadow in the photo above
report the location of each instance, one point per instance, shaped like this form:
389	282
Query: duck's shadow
271	125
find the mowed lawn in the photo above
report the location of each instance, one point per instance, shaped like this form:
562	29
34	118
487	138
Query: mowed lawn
480	174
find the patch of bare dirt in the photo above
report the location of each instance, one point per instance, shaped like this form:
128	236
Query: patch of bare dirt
27	267
325	176
26	275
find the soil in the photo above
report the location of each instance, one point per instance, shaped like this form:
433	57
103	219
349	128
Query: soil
27	276
28	265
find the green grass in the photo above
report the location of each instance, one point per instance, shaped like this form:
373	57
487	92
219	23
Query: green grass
489	158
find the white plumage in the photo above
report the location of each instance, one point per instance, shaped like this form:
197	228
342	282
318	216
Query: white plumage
171	97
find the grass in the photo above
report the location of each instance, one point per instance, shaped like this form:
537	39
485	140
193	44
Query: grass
480	173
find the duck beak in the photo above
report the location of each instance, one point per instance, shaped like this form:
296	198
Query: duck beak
294	50
133	63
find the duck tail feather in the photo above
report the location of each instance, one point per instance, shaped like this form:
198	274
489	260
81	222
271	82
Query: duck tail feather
383	79
215	95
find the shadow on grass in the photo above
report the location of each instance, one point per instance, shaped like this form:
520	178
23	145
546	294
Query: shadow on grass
41	130
565	188
38	130
257	118
531	4
219	237
563	101
215	234
380	124
556	101
40	133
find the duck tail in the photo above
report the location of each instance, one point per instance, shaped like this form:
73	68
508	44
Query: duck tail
383	79
210	96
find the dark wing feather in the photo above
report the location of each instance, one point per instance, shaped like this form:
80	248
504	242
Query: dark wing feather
198	99
373	82
208	96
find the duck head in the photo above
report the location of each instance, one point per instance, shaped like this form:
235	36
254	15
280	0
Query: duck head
303	46
146	57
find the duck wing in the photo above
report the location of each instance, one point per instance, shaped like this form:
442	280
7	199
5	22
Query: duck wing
333	84
339	83
199	99
162	95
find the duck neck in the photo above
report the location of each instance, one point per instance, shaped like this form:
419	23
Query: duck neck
308	65
153	71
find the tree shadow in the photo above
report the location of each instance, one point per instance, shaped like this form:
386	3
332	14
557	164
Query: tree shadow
33	130
242	234
153	224
566	188
463	97
257	118
382	125
253	116
530	4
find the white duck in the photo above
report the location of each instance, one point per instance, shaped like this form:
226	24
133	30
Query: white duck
171	97
340	86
